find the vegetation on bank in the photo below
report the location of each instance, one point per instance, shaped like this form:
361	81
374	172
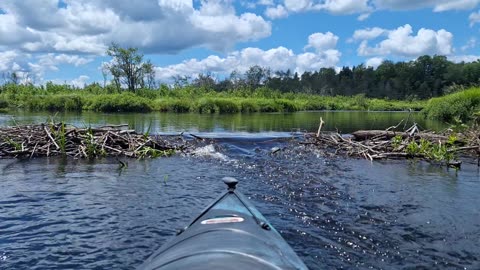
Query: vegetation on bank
186	99
461	106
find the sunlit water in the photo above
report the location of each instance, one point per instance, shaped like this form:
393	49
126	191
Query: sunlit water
334	212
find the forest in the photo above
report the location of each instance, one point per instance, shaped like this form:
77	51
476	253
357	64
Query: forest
423	78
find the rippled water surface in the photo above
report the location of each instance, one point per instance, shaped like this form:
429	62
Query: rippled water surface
335	212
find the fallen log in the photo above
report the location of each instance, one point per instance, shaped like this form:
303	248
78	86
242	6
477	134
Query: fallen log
362	135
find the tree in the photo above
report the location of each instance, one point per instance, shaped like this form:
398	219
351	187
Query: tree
128	68
256	76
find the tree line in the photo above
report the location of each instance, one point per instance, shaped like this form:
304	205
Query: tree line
425	77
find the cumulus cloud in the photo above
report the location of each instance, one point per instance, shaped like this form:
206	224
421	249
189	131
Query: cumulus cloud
276	12
464	58
324	54
7	60
154	25
436	5
368	33
76	31
322	41
80	81
344	6
402	42
338	7
366	7
374	62
474	18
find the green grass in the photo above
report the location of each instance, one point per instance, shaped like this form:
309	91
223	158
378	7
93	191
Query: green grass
186	99
460	105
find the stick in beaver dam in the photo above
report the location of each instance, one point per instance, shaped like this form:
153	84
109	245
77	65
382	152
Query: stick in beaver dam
53	139
381	144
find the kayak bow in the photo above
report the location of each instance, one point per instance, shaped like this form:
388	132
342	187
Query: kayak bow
229	234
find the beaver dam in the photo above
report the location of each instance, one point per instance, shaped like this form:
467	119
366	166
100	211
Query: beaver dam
444	148
61	139
57	139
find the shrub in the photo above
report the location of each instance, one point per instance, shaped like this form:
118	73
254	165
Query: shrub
248	106
125	102
459	105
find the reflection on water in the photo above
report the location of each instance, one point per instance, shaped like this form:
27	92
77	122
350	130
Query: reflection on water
258	122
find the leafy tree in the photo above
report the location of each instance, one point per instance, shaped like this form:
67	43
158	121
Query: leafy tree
128	68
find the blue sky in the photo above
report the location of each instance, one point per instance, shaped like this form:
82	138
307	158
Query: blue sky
65	41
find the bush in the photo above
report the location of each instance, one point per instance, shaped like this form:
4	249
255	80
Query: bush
172	105
3	103
125	102
459	105
248	106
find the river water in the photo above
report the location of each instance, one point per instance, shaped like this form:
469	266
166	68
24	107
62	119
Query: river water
336	213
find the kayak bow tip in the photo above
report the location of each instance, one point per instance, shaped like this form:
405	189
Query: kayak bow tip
231	183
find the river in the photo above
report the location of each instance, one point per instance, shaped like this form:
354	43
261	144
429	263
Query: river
336	213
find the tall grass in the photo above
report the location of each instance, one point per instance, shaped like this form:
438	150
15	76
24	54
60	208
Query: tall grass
187	99
459	105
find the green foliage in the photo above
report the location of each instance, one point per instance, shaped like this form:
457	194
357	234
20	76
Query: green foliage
188	99
92	150
459	105
128	68
432	151
124	102
3	103
60	137
413	148
397	141
247	106
149	152
17	146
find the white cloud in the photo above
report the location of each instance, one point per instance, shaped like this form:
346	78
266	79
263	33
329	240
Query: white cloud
464	58
344	6
325	55
374	62
455	5
265	2
80	81
365	7
297	5
471	43
322	42
7	60
368	33
474	18
89	26
436	5
276	12
52	59
401	42
363	17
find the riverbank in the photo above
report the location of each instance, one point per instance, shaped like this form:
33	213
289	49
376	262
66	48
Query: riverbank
458	106
186	99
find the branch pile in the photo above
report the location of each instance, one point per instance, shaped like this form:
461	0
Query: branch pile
382	144
60	139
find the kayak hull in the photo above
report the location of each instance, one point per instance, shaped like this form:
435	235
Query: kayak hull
229	234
